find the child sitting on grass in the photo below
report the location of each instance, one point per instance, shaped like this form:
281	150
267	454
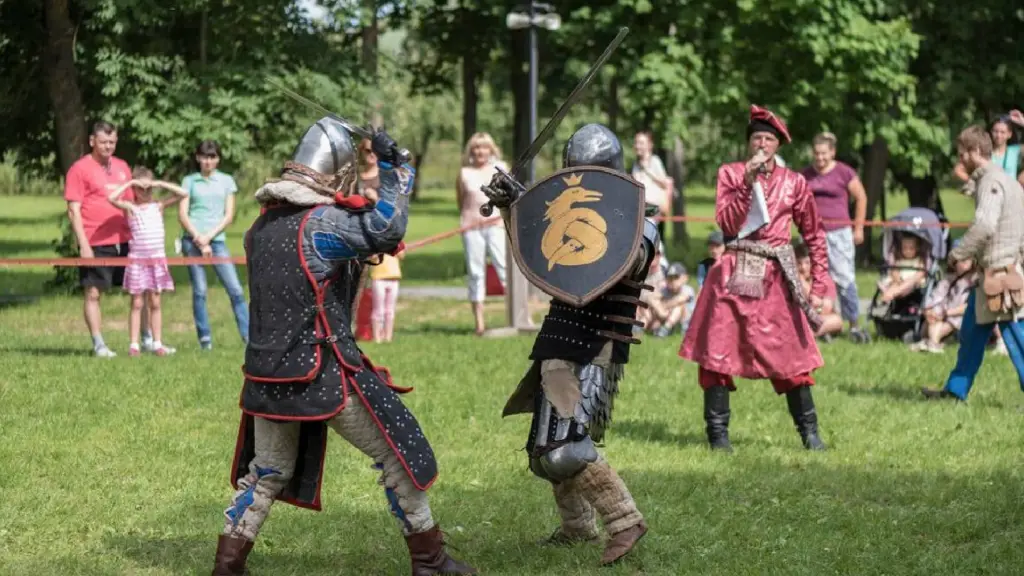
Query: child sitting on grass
944	310
832	321
672	305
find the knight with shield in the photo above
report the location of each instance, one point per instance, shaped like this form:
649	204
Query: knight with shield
583	237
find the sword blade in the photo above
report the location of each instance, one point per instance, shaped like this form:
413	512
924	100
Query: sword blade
576	94
351	127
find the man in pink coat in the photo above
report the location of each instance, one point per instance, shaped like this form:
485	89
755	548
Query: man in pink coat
752	318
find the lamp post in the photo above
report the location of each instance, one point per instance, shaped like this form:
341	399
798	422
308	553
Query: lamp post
530	17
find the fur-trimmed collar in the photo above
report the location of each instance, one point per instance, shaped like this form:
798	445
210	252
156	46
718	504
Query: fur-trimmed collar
292	193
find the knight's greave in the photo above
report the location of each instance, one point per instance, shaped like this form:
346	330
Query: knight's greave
276	447
409	505
578	520
608	494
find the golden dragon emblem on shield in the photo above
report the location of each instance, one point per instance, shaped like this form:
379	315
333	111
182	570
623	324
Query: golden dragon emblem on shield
575	236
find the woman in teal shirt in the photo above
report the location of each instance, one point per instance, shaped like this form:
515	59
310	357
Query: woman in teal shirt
1005	155
204	215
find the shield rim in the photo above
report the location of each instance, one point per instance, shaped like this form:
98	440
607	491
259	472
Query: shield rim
547	288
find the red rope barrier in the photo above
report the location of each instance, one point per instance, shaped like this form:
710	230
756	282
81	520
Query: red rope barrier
411	246
867	223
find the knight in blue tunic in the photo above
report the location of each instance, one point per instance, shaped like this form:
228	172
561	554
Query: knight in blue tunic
303	372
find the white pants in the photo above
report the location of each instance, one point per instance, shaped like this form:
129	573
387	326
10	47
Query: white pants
277	446
478	243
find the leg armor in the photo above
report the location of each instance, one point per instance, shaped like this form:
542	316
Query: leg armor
598	388
561	447
277	444
408	505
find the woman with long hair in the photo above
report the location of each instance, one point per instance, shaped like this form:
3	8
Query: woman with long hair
1004	154
480	159
204	215
650	171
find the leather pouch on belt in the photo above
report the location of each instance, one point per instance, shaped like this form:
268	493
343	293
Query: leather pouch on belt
1003	288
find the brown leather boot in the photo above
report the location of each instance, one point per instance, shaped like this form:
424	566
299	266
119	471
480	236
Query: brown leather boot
429	557
620	544
231	555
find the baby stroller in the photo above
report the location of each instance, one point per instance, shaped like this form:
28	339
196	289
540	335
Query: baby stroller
903	317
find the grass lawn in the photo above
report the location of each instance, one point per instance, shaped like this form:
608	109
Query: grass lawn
120	466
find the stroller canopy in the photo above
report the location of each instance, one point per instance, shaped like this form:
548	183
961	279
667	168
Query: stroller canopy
922	223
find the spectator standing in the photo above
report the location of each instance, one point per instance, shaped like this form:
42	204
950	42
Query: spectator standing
994	242
369	173
204	215
649	170
384	279
480	159
833	183
1005	155
146	280
101	230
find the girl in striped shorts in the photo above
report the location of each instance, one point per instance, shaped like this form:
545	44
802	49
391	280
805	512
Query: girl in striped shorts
146	279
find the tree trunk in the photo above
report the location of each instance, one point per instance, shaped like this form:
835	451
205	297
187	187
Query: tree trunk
369	38
62	83
203	28
369	35
648	118
417	161
469	97
677	170
921	192
876	163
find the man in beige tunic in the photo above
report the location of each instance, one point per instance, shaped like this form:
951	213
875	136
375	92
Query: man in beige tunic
995	241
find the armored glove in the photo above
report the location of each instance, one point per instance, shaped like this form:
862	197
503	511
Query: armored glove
386	149
502	191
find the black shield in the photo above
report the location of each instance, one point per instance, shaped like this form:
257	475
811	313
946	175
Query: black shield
576	232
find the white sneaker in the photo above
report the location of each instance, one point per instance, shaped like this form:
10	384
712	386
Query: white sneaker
104	352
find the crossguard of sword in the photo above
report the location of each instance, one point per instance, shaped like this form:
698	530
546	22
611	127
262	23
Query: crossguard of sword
502	187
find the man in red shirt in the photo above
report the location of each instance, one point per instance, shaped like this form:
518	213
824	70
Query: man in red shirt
100	228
